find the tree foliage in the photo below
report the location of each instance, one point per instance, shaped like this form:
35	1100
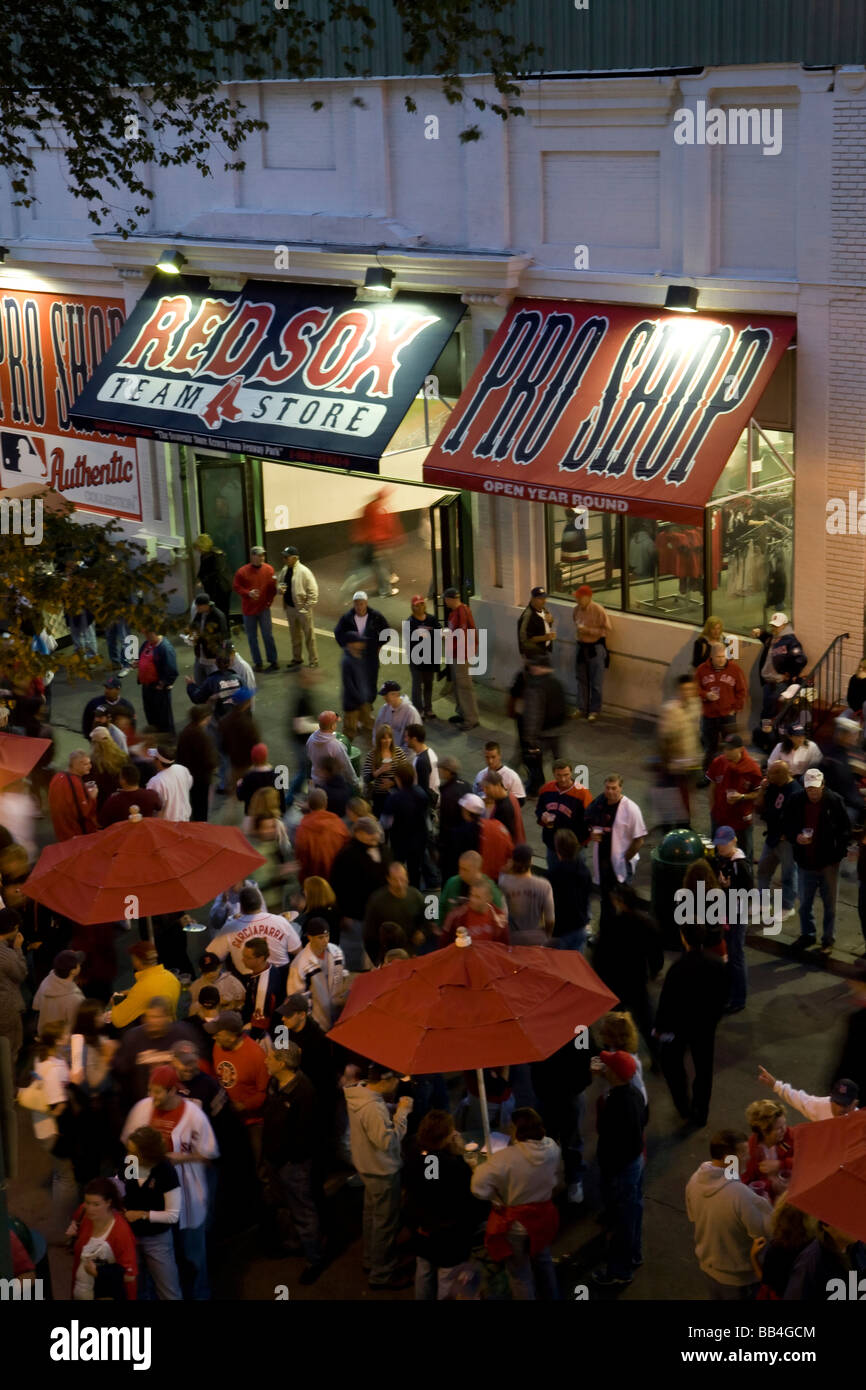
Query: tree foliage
120	88
76	565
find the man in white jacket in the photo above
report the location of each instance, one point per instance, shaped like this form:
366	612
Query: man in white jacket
844	1098
376	1139
727	1216
318	971
191	1147
618	831
300	593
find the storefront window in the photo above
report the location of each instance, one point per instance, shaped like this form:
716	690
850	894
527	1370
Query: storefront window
752	531
585	548
665	569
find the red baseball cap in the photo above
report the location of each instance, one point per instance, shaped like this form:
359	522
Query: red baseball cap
621	1063
419	598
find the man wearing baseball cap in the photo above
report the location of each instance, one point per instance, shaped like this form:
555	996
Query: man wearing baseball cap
370	624
257	586
535	628
817	825
424	658
622	1117
489	837
782	660
461	650
735	875
58	997
397	712
844	1097
591	628
735	779
111	699
300	593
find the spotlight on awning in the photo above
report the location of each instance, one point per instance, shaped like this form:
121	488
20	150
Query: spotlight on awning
682	298
378	282
171	262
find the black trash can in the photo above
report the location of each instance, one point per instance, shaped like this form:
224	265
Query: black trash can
670	859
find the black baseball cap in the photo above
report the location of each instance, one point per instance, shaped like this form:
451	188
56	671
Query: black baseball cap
844	1091
451	593
290	550
388	687
538	592
295	1004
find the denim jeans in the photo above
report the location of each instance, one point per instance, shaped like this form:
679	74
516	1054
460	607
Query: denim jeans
381	1223
713	730
64	1188
530	1276
422	688
297	1187
623	1196
590	676
157	1267
781	855
825	882
457	1281
115	637
737	973
192	1246
252	623
83	636
729	1293
571	941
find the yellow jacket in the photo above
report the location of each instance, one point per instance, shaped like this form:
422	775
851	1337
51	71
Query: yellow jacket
151	983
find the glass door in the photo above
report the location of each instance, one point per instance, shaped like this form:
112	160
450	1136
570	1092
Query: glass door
451	548
224	512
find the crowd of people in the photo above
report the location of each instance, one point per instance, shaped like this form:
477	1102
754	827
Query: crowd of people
207	1099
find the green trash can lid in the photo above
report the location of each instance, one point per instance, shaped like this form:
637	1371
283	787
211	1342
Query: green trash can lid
680	847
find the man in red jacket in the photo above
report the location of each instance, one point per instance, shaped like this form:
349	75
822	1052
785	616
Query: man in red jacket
736	781
722	688
72	801
319	838
257	586
482	920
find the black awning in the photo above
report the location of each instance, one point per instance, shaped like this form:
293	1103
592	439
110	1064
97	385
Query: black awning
294	372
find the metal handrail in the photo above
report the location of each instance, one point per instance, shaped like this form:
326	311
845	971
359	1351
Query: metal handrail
826	678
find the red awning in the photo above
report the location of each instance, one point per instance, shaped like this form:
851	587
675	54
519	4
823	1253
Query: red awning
609	407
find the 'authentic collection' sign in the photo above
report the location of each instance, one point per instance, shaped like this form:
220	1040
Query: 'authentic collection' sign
50	345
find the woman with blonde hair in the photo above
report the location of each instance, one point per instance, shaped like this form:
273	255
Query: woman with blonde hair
106	760
319	900
710	632
617	1032
379	773
771	1148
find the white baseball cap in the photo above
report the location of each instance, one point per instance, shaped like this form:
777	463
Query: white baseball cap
473	803
813	777
361	594
779	620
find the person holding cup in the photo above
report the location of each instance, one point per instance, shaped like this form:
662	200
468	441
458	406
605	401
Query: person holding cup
72	799
736	780
816	823
722	688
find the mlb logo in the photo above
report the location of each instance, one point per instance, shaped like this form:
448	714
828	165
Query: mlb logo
23	458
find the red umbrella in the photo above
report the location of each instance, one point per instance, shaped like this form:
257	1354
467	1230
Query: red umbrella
18	756
138	868
473	1004
828	1179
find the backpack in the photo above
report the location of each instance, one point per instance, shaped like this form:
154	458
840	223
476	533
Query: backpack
147	672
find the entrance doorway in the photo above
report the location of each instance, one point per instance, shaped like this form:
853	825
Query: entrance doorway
223	510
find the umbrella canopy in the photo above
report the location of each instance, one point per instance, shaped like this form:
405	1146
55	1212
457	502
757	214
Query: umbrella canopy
18	756
483	1005
167	866
828	1179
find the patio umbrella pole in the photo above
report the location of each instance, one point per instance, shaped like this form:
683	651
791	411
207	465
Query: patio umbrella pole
148	926
485	1118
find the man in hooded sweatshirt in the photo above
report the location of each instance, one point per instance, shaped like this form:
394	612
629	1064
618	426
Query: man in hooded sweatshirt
520	1181
58	998
376	1142
727	1216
